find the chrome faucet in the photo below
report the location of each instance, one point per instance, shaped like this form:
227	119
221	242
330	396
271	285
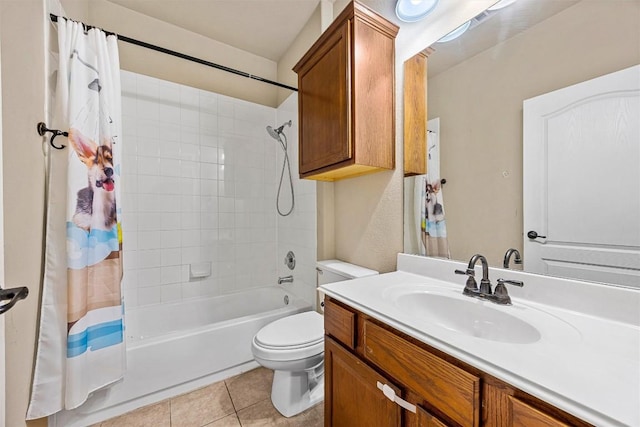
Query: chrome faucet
285	279
499	296
507	257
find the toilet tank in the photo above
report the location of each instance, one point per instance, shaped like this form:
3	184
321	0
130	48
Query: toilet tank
334	270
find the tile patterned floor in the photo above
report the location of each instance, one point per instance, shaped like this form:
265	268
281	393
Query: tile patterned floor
241	401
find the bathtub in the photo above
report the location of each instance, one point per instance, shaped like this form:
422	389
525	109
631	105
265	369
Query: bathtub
178	347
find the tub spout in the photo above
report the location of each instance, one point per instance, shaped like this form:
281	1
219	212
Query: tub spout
285	279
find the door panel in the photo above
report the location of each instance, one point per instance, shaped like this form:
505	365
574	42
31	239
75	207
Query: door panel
352	398
325	121
582	180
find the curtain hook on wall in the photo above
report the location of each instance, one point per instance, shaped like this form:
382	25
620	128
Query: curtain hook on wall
42	130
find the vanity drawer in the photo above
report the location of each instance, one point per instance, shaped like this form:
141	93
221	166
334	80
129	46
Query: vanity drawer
340	323
524	415
453	391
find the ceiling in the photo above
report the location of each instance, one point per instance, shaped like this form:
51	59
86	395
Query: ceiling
488	29
268	27
263	27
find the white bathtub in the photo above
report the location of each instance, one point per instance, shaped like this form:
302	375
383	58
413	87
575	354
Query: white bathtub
178	347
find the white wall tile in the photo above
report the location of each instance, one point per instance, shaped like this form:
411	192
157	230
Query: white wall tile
200	173
148	296
190	221
208	102
128	82
170	293
170	167
189	169
149	258
189	135
171	257
208	171
209	220
189	97
169	149
170	274
190	152
208	154
208	140
169	92
148	128
190	238
148	240
190	116
148	166
149	277
170	239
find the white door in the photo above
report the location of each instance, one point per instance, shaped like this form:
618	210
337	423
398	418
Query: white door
582	180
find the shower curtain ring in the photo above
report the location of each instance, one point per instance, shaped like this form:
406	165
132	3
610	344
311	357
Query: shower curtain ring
42	130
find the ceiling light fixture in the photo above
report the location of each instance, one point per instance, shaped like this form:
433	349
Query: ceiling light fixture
414	10
455	33
501	4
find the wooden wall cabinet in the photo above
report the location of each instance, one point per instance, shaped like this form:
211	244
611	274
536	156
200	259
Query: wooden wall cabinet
361	352
346	103
415	114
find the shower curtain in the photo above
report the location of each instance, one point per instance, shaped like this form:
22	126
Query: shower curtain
81	341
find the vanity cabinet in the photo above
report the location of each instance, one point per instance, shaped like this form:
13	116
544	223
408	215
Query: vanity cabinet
346	101
363	354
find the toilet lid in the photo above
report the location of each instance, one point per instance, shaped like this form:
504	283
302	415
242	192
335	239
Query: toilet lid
300	330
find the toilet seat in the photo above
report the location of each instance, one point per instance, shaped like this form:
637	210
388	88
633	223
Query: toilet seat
291	338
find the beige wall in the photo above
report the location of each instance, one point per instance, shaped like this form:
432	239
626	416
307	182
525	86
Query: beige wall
118	19
298	48
479	103
23	94
367	211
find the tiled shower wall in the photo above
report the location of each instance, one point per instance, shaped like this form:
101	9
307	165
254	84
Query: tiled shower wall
199	185
296	232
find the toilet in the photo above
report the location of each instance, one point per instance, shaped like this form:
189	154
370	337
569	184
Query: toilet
293	347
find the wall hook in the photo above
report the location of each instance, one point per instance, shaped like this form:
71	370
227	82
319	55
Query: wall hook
42	130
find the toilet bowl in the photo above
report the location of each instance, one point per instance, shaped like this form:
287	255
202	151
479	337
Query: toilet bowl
293	347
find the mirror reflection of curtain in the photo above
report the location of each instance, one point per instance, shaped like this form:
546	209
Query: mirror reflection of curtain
429	202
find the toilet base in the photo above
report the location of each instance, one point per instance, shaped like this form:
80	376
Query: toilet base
295	392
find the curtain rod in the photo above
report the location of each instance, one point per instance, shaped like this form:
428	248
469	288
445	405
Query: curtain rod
54	18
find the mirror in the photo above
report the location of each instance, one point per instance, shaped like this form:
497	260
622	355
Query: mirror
476	87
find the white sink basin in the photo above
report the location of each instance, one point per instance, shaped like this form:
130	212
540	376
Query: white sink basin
450	310
472	317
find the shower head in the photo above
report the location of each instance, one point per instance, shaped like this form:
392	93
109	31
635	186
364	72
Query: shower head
275	133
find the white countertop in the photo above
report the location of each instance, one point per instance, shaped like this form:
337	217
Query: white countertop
585	362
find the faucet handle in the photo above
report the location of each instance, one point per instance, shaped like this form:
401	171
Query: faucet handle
471	287
501	296
511	282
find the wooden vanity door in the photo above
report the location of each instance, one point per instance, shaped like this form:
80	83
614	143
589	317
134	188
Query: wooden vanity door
352	398
425	419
